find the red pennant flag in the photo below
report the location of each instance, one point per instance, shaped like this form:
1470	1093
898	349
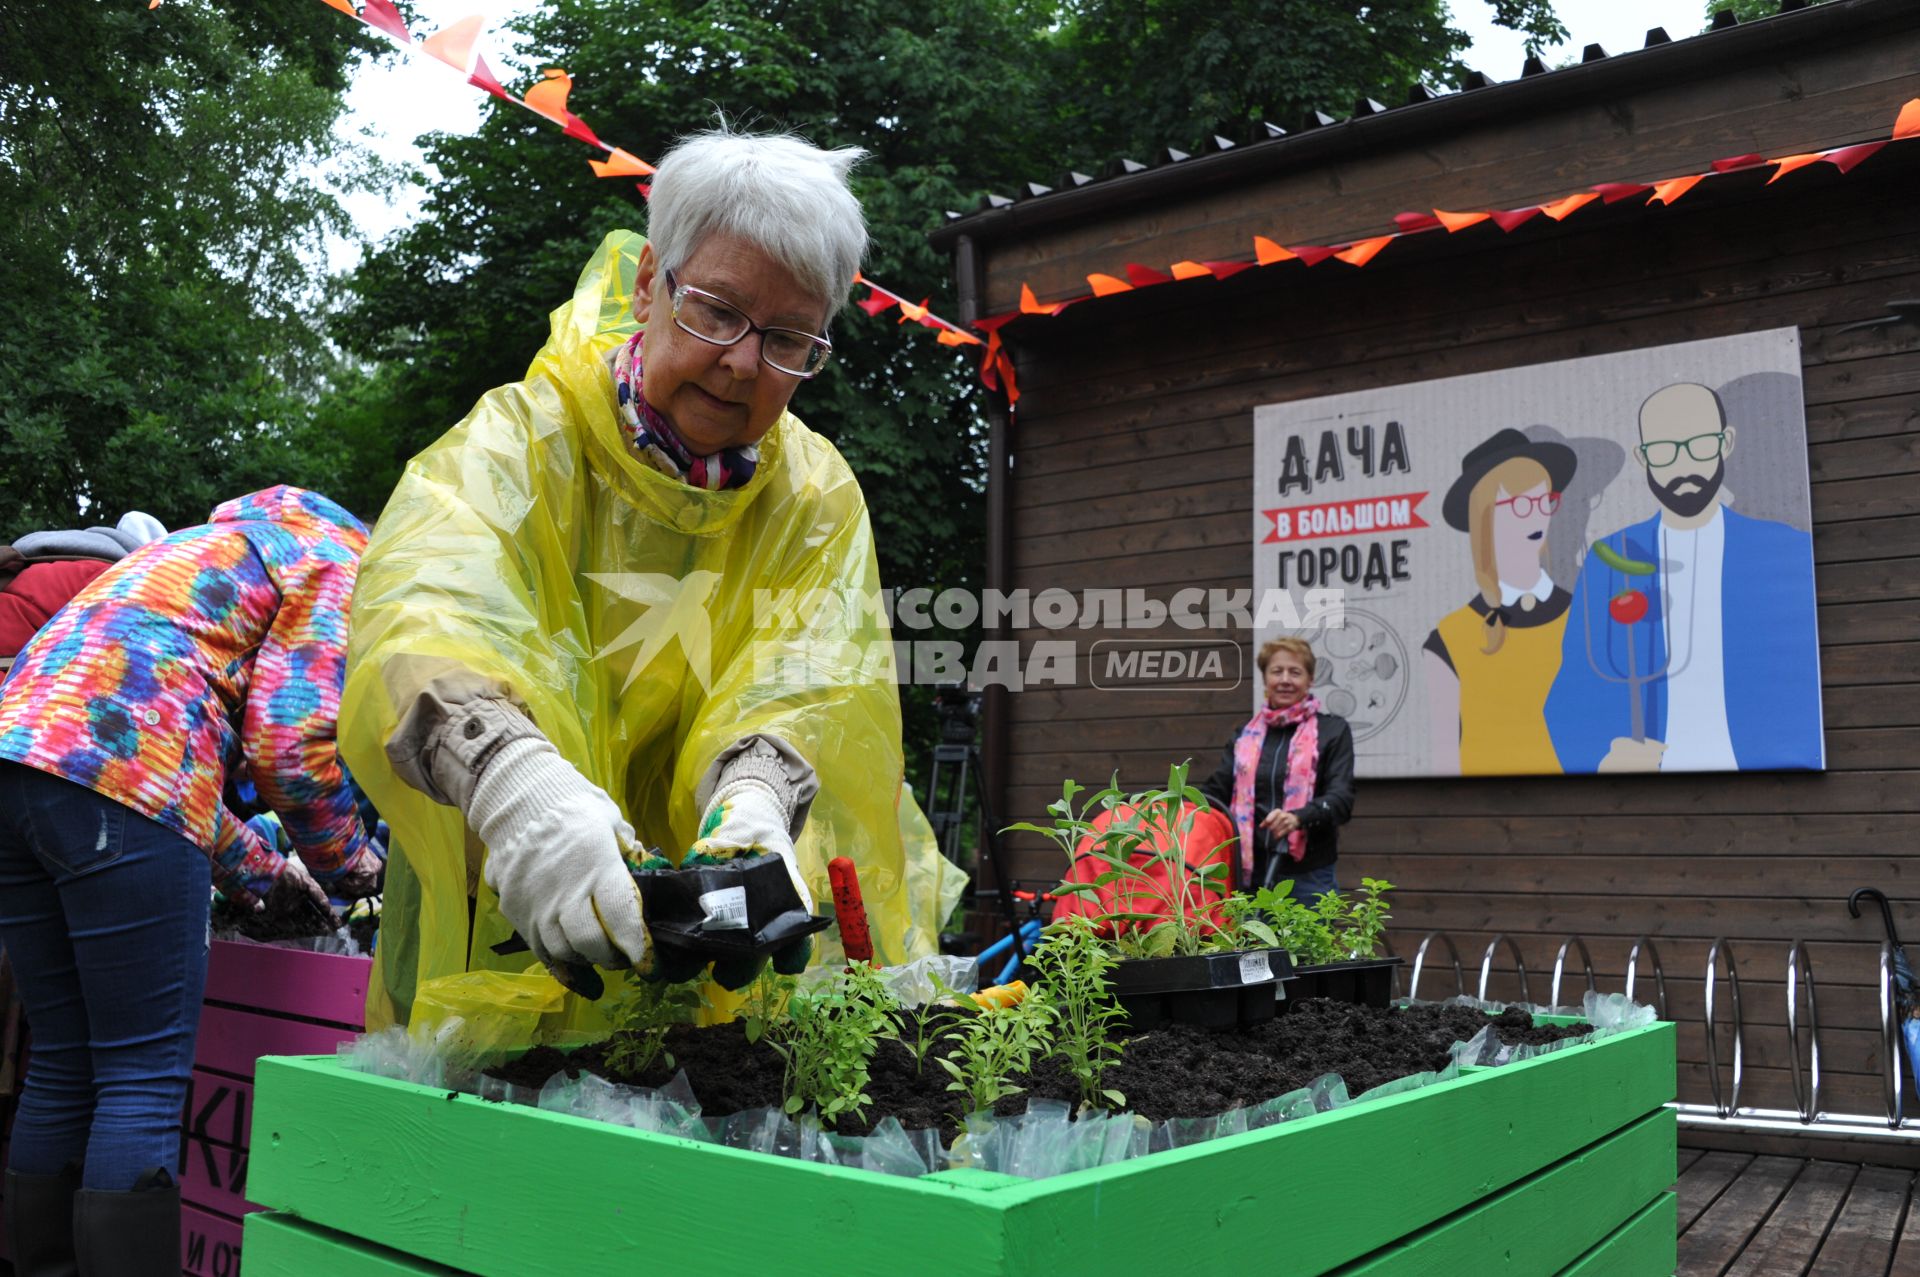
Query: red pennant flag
483	78
1788	163
1190	270
645	189
1508	219
1669	191
1267	252
1410	222
1559	209
1614	192
1107	285
382	16
1313	254
1227	270
1733	164
874	302
578	130
453	45
1364	251
1845	157
1006	375
1908	123
1458	221
1145	277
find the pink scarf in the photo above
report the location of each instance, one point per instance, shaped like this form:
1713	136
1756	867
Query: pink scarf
652	436
1303	762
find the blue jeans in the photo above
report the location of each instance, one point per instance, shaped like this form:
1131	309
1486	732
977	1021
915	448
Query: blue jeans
103	913
1311	884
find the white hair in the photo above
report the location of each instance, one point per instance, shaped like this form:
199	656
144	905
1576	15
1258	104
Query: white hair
776	191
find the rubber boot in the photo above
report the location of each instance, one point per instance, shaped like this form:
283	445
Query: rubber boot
131	1234
39	1212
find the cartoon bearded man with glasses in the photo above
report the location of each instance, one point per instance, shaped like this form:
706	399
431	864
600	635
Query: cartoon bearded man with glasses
1720	643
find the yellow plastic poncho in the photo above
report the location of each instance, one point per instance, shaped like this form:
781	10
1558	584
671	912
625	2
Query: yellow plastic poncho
530	546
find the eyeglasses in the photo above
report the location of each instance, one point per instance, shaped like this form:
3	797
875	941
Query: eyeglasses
1664	452
718	322
1524	506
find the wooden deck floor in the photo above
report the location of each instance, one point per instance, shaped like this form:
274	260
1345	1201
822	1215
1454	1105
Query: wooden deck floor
1747	1216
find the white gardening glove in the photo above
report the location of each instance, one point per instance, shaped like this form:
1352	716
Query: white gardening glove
746	816
554	842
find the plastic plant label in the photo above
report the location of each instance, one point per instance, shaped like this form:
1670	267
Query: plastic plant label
1254	968
726	909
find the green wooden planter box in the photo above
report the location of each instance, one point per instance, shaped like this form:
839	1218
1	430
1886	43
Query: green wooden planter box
1560	1164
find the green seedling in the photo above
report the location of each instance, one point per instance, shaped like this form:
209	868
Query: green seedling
1368	919
936	1019
828	1038
764	1002
1073	966
1145	875
644	1016
994	1044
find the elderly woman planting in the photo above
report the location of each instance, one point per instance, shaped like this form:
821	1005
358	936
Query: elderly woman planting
620	606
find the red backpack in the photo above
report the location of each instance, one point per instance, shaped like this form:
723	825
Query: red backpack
1208	840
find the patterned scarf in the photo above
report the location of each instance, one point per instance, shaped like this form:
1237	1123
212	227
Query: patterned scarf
1303	762
653	439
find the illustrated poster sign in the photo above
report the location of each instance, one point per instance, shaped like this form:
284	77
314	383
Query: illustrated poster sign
1595	565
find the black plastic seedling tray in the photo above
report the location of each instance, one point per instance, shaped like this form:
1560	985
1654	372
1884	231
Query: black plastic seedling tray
1209	991
1368	981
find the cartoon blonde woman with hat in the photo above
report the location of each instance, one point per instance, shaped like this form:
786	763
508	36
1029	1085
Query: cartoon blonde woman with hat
1490	663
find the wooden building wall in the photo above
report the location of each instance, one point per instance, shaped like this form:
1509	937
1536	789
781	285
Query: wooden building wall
1132	468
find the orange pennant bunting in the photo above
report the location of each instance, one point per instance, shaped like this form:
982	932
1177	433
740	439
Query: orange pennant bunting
549	97
1363	251
1673	188
1267	252
1107	285
910	313
454	45
954	337
624	164
1559	209
343	6
1190	270
1908	124
1459	221
1788	163
1031	305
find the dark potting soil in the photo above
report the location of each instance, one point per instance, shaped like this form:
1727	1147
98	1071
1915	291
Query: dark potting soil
268	926
1176	1071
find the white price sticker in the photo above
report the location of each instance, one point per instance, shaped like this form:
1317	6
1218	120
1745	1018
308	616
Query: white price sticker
1254	968
726	909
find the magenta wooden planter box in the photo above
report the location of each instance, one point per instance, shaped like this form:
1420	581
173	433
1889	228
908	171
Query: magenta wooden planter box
260	1001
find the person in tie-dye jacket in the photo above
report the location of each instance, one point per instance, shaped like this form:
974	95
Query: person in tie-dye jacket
218	648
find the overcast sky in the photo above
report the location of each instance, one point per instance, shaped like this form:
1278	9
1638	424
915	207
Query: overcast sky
393	104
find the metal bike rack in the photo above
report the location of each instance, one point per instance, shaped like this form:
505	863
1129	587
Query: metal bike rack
1889	1039
1724	1109
1659	975
1486	967
1559	965
1800	967
1420	960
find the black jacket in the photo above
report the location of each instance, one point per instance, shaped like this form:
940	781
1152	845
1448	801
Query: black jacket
1331	805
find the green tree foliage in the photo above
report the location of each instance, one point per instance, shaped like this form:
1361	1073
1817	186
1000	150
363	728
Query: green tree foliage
1746	10
157	341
